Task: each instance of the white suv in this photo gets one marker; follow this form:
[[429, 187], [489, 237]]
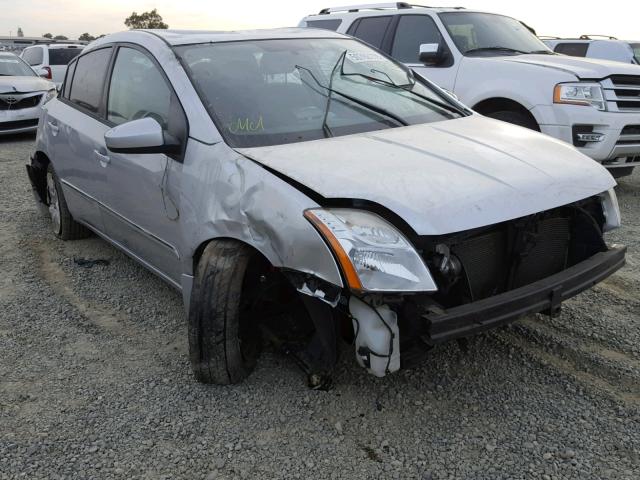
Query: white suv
[[50, 61], [496, 65], [607, 48]]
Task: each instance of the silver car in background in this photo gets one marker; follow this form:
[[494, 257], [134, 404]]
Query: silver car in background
[[300, 186], [22, 94]]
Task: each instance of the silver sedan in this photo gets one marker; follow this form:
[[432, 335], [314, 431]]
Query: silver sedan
[[299, 186]]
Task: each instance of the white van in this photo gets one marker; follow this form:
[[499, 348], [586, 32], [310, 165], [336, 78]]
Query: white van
[[497, 66], [50, 61]]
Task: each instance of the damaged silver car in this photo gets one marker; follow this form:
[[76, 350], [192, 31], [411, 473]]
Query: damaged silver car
[[300, 187]]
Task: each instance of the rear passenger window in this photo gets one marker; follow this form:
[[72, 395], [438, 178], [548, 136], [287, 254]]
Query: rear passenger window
[[88, 79], [413, 31], [572, 49], [33, 56], [66, 86], [372, 30], [326, 24]]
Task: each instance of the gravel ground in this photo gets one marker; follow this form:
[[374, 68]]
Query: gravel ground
[[95, 381]]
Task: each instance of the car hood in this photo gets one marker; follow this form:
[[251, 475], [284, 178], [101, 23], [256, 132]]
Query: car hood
[[443, 177], [583, 68], [24, 84]]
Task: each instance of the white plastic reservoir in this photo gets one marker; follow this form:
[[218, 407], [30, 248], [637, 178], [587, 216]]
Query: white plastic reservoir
[[377, 339]]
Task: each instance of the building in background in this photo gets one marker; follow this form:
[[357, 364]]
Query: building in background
[[17, 44]]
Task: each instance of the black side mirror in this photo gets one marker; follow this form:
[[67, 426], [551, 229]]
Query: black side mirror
[[431, 53]]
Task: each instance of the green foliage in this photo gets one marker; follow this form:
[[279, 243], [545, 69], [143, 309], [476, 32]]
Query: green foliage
[[150, 19]]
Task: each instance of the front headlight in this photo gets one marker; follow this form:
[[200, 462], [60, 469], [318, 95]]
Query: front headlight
[[373, 255], [589, 94], [51, 94]]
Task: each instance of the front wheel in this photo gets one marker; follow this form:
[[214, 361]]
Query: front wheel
[[620, 172], [224, 336], [515, 118]]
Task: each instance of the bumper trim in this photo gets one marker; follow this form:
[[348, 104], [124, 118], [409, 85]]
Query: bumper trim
[[545, 294]]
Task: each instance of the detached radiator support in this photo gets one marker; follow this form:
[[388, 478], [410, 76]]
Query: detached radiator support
[[321, 354]]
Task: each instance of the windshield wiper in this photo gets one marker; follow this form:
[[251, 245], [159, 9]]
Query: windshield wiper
[[544, 52], [325, 126], [362, 103], [494, 49], [406, 88]]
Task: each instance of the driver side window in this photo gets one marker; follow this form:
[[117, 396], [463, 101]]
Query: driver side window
[[137, 90]]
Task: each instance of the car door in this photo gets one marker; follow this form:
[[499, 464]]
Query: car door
[[75, 127], [142, 208], [412, 31]]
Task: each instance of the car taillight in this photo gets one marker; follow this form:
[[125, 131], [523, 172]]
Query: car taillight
[[49, 75]]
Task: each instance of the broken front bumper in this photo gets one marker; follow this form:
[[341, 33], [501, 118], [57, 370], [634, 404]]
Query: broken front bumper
[[540, 296]]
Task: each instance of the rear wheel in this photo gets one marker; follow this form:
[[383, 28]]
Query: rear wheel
[[515, 118], [63, 224], [224, 335]]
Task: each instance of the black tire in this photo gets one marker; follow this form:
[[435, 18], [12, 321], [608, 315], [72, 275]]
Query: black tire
[[621, 172], [224, 336], [64, 226], [516, 118]]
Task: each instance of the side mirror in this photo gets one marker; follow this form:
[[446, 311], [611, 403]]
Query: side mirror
[[144, 135], [431, 53]]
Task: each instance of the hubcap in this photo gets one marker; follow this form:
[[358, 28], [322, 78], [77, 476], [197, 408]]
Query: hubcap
[[54, 203]]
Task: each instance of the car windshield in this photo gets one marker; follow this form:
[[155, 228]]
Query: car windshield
[[488, 33], [11, 66], [270, 92], [636, 51]]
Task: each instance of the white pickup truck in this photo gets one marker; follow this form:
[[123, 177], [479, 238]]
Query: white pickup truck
[[497, 66]]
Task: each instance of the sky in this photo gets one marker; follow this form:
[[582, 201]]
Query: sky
[[568, 18]]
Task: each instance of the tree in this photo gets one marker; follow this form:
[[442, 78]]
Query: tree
[[47, 35], [20, 34], [85, 37], [60, 37], [150, 19]]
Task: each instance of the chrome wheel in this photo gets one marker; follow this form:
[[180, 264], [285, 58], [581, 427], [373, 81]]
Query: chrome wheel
[[54, 202]]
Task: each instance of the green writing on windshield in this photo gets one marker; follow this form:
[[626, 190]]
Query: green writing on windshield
[[246, 125]]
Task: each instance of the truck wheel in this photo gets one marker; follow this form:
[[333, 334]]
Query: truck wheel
[[621, 172], [224, 337], [63, 224], [515, 118]]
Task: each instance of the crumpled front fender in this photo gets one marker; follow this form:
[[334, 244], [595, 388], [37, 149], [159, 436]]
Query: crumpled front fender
[[226, 195]]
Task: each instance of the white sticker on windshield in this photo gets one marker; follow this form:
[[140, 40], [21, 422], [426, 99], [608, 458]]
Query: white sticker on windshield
[[362, 57], [8, 60]]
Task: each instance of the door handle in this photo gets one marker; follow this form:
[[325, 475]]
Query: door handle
[[103, 159], [54, 128]]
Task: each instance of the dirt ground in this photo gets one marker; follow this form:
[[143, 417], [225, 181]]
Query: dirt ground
[[95, 381]]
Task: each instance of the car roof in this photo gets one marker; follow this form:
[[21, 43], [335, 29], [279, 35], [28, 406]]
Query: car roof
[[375, 9], [187, 37], [65, 45]]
